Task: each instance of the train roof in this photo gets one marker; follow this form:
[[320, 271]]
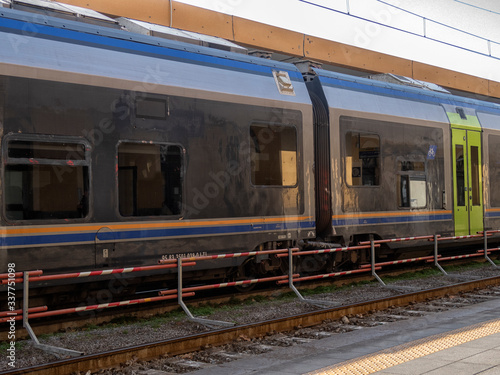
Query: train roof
[[355, 93], [196, 67], [397, 90], [121, 35]]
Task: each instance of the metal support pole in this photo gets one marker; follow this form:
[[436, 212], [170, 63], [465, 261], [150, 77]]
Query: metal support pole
[[372, 256], [206, 322], [485, 238], [290, 276], [485, 234], [436, 263], [317, 303], [58, 352]]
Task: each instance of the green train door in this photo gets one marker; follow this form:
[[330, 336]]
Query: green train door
[[468, 183]]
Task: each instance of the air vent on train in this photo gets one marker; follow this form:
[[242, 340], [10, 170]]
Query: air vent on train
[[407, 81], [60, 10], [165, 32]]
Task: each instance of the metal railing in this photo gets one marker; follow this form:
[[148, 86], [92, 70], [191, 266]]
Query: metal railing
[[435, 258], [27, 313]]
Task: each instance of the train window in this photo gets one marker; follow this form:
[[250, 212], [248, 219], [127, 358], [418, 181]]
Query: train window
[[460, 173], [362, 159], [412, 184], [46, 180], [273, 155], [149, 179], [475, 176], [494, 169], [46, 150]]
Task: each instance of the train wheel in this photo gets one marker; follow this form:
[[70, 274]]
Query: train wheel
[[246, 271]]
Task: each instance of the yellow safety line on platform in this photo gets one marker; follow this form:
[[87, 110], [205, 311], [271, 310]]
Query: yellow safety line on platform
[[400, 354]]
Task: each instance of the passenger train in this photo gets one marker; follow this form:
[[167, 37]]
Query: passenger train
[[120, 149]]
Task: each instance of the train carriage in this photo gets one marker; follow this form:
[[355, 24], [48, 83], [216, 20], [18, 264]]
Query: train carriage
[[121, 149], [404, 161], [489, 119]]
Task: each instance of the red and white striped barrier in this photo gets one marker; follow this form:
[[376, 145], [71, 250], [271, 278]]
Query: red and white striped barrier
[[100, 272], [458, 237], [328, 275], [225, 285], [489, 250], [20, 312], [95, 307], [326, 251], [489, 232], [454, 257], [402, 239], [18, 275], [401, 261], [225, 256]]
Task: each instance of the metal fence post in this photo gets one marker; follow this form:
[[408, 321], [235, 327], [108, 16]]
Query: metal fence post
[[485, 235], [59, 352], [207, 322], [372, 256], [318, 303], [436, 263]]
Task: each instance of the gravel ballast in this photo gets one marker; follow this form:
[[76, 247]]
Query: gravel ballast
[[95, 339]]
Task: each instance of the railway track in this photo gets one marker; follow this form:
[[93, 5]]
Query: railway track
[[248, 332], [217, 297]]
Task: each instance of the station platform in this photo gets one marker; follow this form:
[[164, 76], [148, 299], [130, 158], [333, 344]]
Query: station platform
[[470, 350], [458, 341]]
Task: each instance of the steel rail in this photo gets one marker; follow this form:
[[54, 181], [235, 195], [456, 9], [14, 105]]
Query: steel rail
[[177, 346]]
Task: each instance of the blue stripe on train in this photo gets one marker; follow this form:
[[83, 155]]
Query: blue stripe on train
[[390, 219], [410, 93], [117, 44], [146, 234]]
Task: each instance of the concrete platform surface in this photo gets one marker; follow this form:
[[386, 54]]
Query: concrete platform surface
[[459, 341]]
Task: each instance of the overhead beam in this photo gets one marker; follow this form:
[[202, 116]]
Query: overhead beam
[[335, 53], [266, 37], [494, 89], [452, 79], [203, 21]]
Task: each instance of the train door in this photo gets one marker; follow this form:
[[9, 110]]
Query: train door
[[468, 184]]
